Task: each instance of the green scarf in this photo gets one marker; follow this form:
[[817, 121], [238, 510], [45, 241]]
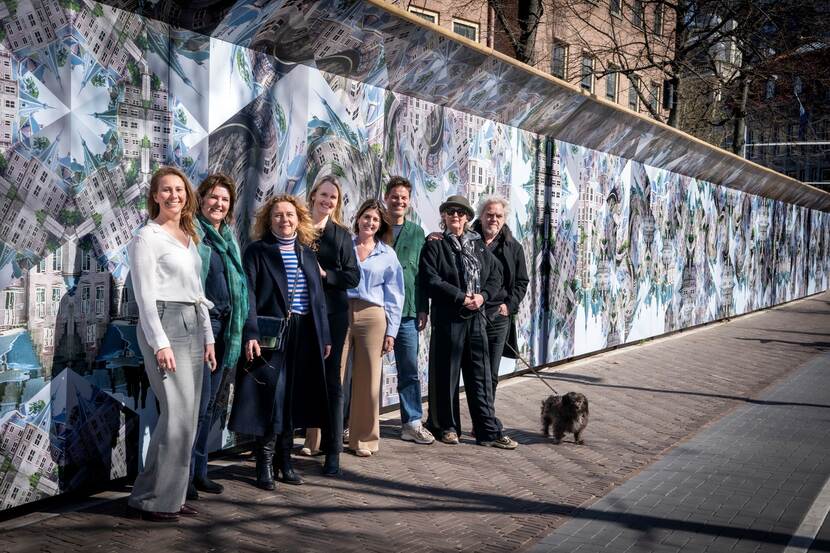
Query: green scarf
[[224, 243]]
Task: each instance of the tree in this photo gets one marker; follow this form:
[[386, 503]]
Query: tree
[[135, 73], [37, 406], [131, 174], [141, 42], [518, 22], [30, 87], [40, 143], [63, 54], [98, 80], [700, 56]]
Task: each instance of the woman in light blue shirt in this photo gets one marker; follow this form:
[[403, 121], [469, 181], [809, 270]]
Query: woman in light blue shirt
[[374, 316]]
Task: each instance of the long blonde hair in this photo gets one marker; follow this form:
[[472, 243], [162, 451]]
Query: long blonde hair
[[305, 229], [337, 214], [188, 210]]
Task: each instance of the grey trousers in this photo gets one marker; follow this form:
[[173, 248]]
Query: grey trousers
[[162, 485]]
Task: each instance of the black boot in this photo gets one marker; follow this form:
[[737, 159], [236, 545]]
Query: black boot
[[264, 463], [284, 468], [331, 467]]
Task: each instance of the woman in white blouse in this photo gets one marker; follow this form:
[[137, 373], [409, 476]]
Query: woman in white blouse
[[375, 306], [176, 340]]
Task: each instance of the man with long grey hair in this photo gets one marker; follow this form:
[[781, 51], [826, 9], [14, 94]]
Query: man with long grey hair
[[501, 313]]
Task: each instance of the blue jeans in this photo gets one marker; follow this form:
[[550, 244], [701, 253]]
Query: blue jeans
[[207, 412], [406, 359]]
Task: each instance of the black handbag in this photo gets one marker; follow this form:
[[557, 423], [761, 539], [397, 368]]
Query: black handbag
[[273, 331]]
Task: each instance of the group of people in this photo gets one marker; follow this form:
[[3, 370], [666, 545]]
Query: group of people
[[301, 320]]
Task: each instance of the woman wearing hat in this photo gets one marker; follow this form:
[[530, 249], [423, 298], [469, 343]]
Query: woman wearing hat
[[459, 275]]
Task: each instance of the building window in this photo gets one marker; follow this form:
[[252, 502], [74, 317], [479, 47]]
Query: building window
[[85, 261], [48, 339], [658, 19], [559, 60], [429, 15], [633, 96], [90, 334], [611, 84], [465, 29], [57, 261], [655, 97], [40, 302], [99, 300], [637, 13], [56, 300], [85, 299], [587, 81]]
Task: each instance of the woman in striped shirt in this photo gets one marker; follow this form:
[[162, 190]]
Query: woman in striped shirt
[[283, 385]]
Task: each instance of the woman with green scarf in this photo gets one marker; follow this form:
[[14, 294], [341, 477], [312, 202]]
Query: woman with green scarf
[[226, 286]]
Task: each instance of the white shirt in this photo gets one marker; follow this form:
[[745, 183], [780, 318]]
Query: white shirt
[[164, 269]]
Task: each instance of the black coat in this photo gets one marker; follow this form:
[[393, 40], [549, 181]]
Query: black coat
[[442, 283], [335, 253], [511, 256], [268, 296]]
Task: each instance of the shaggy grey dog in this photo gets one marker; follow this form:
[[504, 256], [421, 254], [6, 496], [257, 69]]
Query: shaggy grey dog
[[568, 413]]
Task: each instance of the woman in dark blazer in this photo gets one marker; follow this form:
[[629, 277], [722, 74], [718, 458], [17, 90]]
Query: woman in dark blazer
[[339, 271], [459, 275], [283, 385]]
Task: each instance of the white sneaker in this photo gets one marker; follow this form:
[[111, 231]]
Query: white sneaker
[[418, 434]]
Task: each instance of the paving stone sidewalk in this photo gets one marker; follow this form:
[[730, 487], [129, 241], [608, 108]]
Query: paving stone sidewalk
[[742, 485], [644, 401]]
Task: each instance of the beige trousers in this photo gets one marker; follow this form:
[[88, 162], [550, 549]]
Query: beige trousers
[[367, 329]]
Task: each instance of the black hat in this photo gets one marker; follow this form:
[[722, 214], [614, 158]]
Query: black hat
[[458, 201]]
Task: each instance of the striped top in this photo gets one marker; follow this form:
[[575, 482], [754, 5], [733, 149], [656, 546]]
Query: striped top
[[301, 300]]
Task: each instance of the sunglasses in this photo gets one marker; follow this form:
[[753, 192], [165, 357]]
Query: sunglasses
[[455, 211]]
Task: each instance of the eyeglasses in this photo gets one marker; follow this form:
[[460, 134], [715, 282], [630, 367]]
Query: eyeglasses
[[455, 211]]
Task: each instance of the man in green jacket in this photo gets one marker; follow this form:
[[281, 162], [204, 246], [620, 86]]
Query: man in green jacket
[[408, 241]]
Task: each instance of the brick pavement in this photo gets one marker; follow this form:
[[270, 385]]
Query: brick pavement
[[644, 400], [743, 484]]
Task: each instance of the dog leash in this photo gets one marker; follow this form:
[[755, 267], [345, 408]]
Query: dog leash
[[521, 357]]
